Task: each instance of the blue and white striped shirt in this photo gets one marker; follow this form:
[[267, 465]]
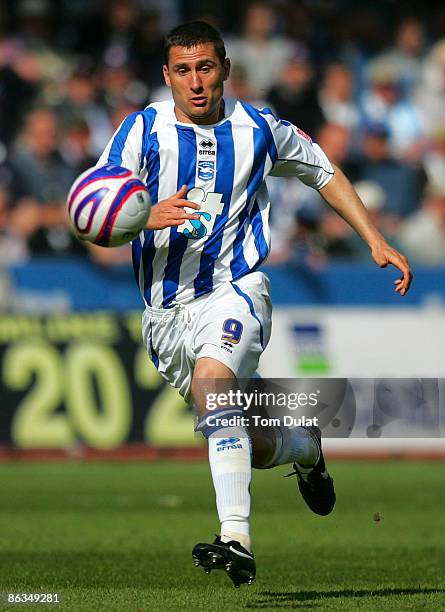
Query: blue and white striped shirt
[[224, 166]]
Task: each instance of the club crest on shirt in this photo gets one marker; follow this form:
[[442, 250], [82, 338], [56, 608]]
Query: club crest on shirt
[[206, 170]]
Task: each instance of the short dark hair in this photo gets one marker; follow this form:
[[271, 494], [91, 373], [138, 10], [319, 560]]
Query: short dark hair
[[192, 34]]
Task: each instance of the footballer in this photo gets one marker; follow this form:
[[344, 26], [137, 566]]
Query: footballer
[[207, 316]]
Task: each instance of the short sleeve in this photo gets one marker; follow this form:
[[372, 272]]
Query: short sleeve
[[297, 154]]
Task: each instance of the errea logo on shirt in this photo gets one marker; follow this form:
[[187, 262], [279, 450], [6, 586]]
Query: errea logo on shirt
[[206, 147], [206, 143]]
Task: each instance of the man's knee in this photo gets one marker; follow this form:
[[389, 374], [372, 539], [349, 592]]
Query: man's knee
[[209, 377]]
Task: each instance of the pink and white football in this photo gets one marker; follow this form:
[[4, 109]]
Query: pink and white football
[[108, 205]]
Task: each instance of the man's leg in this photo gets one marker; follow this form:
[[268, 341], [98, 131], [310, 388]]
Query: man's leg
[[273, 446], [232, 451], [230, 462], [230, 456], [300, 446], [259, 447]]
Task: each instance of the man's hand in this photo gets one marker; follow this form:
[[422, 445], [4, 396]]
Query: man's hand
[[170, 212], [383, 254]]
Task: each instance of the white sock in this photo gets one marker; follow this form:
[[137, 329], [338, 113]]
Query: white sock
[[242, 538], [230, 464], [294, 445]]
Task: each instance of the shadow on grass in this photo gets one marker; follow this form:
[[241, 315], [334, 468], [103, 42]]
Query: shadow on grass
[[270, 599]]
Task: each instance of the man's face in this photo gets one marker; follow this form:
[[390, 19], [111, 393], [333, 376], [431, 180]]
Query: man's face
[[196, 77]]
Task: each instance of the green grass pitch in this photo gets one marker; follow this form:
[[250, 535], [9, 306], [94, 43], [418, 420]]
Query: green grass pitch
[[118, 536]]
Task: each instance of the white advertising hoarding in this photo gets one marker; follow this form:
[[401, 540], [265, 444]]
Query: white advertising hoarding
[[360, 343]]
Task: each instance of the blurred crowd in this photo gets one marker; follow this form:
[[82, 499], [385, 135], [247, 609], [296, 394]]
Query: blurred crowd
[[370, 90]]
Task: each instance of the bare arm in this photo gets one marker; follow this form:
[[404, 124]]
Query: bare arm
[[341, 197]]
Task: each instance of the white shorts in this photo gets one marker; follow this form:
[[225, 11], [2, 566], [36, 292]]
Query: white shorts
[[232, 324]]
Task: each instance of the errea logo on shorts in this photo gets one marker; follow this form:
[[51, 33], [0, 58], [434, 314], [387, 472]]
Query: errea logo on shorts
[[227, 444]]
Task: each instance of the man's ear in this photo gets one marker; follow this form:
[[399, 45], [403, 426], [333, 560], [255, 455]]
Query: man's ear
[[226, 66], [166, 74]]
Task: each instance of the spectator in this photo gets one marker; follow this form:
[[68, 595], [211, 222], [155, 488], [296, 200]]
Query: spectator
[[401, 182], [406, 54], [431, 93], [336, 96], [340, 241], [336, 237], [53, 236], [39, 170], [20, 79], [434, 158], [238, 87], [335, 140], [119, 114], [121, 21], [383, 102], [294, 96], [261, 52], [13, 247], [306, 244], [76, 146], [119, 85], [41, 181], [422, 235], [148, 50], [35, 33], [80, 101]]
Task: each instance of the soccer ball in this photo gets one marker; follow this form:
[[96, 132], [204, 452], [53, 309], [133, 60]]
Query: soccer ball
[[108, 205]]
